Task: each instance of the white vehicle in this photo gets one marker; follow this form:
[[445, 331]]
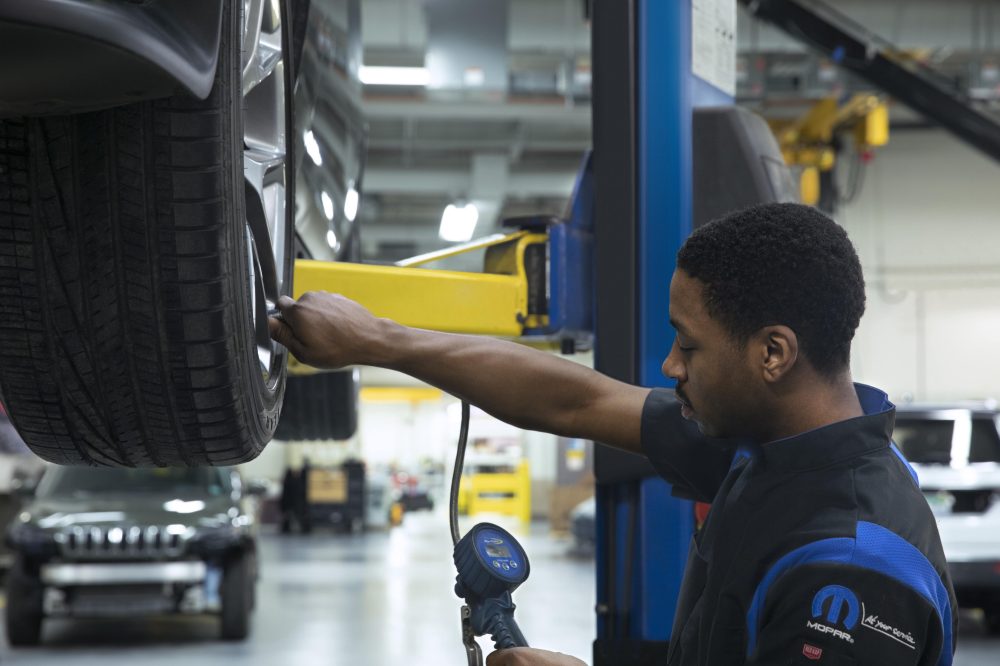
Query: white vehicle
[[955, 450]]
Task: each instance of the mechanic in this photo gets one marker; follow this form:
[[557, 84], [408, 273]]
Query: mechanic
[[819, 546]]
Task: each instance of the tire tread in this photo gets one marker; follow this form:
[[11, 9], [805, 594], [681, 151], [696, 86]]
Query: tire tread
[[124, 338]]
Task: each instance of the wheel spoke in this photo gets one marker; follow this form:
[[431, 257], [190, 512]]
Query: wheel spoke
[[262, 41], [264, 60], [259, 305], [265, 347], [265, 174], [264, 166], [267, 272]]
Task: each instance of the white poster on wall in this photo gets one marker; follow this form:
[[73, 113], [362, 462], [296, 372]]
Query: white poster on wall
[[713, 43]]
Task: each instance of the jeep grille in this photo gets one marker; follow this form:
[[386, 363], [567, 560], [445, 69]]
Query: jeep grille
[[112, 543]]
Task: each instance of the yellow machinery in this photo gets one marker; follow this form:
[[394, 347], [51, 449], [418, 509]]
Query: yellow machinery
[[809, 141], [495, 302], [505, 493]]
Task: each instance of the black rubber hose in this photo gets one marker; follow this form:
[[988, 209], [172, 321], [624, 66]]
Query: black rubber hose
[[456, 475]]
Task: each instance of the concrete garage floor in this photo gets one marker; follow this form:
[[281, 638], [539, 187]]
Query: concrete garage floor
[[379, 598]]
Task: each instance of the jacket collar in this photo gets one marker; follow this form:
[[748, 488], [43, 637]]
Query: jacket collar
[[838, 441]]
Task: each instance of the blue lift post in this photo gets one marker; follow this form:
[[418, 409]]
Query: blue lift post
[[644, 95]]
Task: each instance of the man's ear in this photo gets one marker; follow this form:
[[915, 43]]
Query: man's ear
[[777, 350]]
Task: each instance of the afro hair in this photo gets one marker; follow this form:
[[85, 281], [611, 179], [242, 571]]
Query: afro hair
[[781, 263]]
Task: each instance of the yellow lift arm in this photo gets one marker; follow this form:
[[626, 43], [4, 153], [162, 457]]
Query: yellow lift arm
[[495, 302]]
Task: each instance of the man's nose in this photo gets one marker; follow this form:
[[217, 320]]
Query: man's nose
[[672, 367]]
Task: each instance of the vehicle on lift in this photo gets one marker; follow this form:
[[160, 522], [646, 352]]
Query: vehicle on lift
[[955, 450], [146, 225], [97, 542]]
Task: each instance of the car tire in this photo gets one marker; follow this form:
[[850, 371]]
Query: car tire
[[237, 598], [254, 568], [140, 249], [24, 612]]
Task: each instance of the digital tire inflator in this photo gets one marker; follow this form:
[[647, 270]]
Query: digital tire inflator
[[491, 564]]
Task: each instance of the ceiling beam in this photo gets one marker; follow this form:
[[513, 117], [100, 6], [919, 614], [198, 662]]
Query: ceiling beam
[[458, 182]]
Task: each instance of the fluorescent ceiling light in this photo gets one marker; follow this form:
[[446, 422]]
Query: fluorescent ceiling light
[[458, 223], [331, 239], [394, 76], [312, 148], [351, 203], [327, 205]]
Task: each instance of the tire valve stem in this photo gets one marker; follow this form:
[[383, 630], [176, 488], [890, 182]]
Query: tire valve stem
[[275, 313]]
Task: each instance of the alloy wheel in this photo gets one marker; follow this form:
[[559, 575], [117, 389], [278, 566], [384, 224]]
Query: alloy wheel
[[265, 167]]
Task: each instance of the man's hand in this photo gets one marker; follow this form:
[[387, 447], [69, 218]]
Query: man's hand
[[531, 657], [327, 330]]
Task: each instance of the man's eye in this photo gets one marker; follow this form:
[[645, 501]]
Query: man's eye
[[683, 348]]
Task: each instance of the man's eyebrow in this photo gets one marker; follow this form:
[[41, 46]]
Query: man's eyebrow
[[678, 326]]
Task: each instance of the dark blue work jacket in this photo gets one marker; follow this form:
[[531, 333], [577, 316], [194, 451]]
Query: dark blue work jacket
[[818, 549]]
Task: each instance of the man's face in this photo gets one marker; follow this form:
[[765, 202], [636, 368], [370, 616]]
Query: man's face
[[715, 383]]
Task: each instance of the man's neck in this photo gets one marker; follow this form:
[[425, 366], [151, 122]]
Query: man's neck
[[818, 402]]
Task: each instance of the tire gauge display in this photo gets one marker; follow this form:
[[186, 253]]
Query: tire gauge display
[[490, 562]]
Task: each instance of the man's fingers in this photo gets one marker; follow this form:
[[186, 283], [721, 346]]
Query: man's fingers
[[523, 656], [509, 657], [285, 304], [495, 658], [282, 333]]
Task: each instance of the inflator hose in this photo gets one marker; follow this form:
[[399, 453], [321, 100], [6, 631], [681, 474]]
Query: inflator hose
[[456, 475]]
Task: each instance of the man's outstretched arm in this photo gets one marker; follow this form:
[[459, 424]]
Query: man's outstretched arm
[[522, 386]]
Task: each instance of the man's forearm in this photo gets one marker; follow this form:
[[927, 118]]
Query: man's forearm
[[517, 384], [522, 386]]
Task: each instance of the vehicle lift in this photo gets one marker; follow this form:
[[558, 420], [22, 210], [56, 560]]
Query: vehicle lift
[[600, 277]]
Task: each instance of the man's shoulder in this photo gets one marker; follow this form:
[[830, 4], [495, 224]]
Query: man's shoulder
[[889, 495], [868, 512]]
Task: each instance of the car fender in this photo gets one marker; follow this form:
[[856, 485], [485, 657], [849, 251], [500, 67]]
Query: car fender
[[77, 55]]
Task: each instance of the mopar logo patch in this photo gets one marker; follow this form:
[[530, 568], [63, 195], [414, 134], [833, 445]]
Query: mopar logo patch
[[840, 604], [832, 606]]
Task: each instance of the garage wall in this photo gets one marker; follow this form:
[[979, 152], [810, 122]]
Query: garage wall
[[927, 228]]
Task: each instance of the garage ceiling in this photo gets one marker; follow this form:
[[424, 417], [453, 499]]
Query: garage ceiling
[[511, 136]]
